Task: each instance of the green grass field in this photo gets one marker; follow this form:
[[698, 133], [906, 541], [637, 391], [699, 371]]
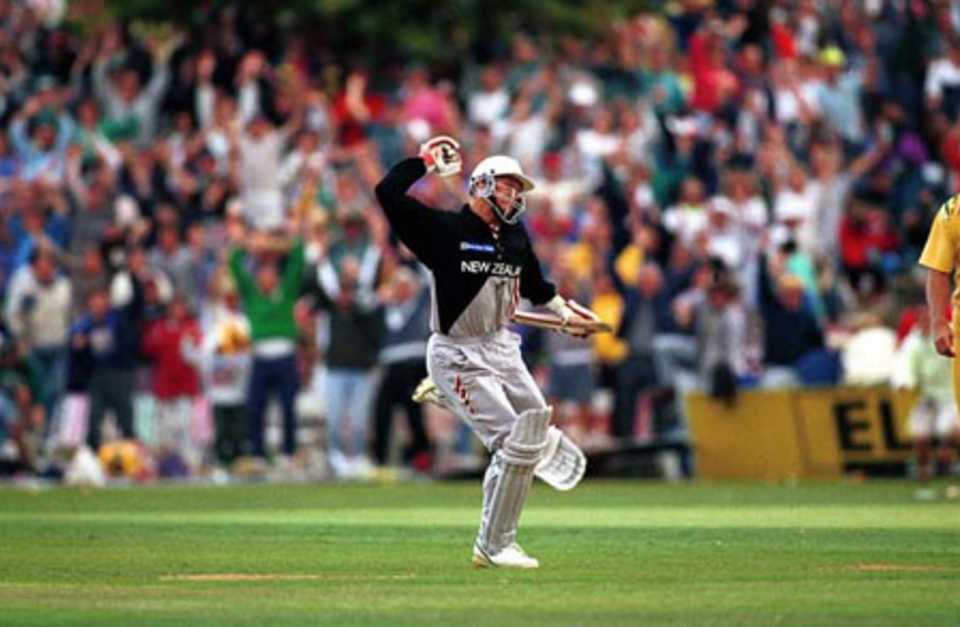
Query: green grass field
[[611, 553]]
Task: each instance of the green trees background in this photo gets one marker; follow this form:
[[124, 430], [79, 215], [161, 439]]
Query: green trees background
[[425, 30]]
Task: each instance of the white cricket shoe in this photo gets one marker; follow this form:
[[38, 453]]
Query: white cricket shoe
[[428, 392], [511, 556]]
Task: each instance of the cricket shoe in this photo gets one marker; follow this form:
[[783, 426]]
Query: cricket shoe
[[511, 556], [428, 392]]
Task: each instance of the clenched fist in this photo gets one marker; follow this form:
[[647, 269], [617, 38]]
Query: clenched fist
[[441, 154], [943, 338]]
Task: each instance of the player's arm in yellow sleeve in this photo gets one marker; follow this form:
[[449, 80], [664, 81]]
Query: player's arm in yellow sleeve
[[939, 258]]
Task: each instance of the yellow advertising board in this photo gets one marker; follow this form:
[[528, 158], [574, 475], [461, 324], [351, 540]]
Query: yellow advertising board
[[804, 432]]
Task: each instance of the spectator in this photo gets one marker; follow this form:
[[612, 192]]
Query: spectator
[[723, 340], [839, 98], [268, 297], [644, 305], [38, 316], [131, 109], [40, 137], [21, 425], [489, 105], [261, 148], [688, 218], [403, 359], [355, 108], [572, 377], [934, 415], [356, 334], [661, 84], [109, 335], [255, 93], [175, 382], [791, 331], [942, 84], [867, 244], [172, 258], [223, 359]]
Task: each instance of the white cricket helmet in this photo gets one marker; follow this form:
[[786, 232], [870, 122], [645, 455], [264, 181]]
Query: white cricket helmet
[[483, 181]]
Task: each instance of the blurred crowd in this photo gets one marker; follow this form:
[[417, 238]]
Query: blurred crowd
[[189, 235]]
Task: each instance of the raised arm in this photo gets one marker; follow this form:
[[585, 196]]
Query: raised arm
[[412, 221], [240, 274], [618, 207], [293, 272], [766, 291], [18, 129]]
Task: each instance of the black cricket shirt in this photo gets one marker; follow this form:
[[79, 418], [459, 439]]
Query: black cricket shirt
[[477, 276]]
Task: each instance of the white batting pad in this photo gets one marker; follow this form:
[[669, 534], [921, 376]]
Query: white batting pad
[[508, 478], [563, 463]]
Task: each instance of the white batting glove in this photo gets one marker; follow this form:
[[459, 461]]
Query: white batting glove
[[441, 154], [559, 306]]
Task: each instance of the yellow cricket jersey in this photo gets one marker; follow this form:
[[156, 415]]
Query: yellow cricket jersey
[[941, 251]]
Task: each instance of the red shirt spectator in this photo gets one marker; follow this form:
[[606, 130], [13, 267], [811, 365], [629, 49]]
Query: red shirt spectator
[[713, 82], [783, 41], [863, 234], [173, 376], [354, 108], [950, 152], [422, 101]]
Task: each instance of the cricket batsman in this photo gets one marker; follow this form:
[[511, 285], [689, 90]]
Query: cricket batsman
[[481, 263]]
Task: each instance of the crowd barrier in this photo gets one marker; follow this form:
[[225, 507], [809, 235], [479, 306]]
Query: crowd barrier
[[801, 433]]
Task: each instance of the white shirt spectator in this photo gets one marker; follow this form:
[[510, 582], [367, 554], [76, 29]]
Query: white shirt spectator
[[685, 221], [820, 235], [36, 312], [143, 107], [788, 103], [248, 101], [642, 141], [795, 204], [594, 145], [260, 179], [527, 139], [563, 194], [225, 368], [727, 234], [920, 367], [941, 73], [487, 107], [204, 100], [752, 213]]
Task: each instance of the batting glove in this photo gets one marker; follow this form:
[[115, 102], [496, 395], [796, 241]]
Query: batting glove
[[441, 154]]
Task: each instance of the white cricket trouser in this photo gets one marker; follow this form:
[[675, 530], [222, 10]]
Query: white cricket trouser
[[486, 380], [488, 385]]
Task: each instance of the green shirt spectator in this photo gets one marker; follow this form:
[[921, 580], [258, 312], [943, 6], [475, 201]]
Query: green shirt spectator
[[271, 311]]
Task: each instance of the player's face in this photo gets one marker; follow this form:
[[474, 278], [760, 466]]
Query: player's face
[[506, 193]]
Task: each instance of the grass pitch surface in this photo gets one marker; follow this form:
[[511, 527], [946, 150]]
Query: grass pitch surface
[[611, 553]]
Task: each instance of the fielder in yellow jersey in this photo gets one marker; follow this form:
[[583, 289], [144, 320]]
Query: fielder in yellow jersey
[[941, 256]]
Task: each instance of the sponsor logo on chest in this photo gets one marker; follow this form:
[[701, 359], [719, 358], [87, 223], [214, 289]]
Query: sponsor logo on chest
[[481, 248], [490, 268]]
